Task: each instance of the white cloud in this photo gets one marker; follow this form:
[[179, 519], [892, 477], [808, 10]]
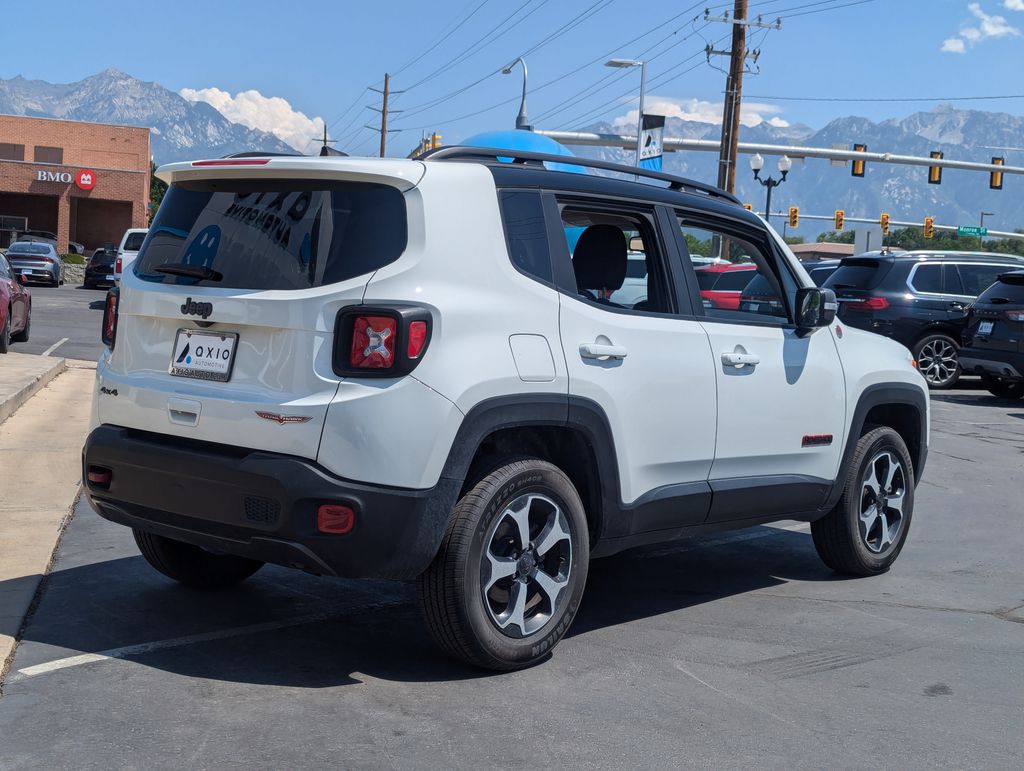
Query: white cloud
[[267, 113], [700, 111], [988, 26]]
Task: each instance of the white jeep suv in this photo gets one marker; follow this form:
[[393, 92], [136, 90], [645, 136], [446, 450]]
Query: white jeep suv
[[398, 368]]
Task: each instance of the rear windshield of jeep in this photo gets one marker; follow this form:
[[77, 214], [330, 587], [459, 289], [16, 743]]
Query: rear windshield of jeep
[[272, 234]]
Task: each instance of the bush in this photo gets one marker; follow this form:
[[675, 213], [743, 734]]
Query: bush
[[73, 259]]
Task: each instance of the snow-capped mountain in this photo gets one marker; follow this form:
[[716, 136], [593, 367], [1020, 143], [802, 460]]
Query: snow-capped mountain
[[182, 130]]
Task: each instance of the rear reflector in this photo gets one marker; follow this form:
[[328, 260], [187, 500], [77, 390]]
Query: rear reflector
[[233, 162], [97, 475], [373, 342], [417, 338], [335, 519]]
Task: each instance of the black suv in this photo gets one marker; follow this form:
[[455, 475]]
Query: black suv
[[994, 343], [919, 299]]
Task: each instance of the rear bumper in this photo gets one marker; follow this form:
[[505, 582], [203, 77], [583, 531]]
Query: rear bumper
[[980, 361], [263, 505]]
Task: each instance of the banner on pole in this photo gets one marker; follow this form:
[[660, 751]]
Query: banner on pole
[[651, 136]]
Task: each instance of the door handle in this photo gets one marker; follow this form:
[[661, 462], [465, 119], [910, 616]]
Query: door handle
[[601, 351], [957, 306], [733, 359]]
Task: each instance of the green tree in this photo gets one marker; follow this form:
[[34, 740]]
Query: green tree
[[791, 240], [157, 188], [835, 237]]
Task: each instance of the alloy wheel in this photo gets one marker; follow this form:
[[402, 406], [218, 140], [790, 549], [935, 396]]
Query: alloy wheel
[[938, 361], [883, 492], [526, 565]]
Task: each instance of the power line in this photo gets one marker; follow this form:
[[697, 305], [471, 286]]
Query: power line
[[444, 37]]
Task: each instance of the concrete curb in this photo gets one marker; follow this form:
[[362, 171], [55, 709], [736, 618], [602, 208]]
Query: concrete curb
[[9, 402]]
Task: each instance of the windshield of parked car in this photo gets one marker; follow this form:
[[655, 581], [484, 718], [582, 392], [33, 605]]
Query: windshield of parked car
[[28, 248], [272, 234]]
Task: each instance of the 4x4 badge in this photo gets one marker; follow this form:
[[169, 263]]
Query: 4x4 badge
[[282, 419]]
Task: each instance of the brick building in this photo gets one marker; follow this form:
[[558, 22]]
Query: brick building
[[84, 182]]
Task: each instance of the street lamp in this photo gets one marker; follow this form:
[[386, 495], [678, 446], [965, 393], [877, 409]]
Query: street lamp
[[522, 122], [756, 164], [623, 64]]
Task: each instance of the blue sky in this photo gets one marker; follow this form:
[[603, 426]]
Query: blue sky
[[319, 58]]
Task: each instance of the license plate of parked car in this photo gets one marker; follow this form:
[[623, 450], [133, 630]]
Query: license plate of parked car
[[985, 328], [203, 355]]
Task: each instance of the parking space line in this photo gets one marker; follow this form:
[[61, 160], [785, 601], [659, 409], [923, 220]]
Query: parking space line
[[178, 642], [55, 346]]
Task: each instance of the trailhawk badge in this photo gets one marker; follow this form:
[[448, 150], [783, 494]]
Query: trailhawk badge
[[282, 419]]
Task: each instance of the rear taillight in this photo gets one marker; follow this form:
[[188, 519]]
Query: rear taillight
[[117, 265], [380, 342], [109, 331], [867, 303], [1015, 315], [335, 519]]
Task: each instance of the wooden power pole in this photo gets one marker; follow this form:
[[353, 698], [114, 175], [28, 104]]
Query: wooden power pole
[[733, 100], [384, 116]]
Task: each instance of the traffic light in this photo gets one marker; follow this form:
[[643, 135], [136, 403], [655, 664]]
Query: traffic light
[[857, 167], [884, 222], [929, 227], [748, 207], [995, 178], [935, 172], [794, 216], [840, 216]]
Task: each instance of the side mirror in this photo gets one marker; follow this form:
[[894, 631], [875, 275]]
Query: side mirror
[[815, 308]]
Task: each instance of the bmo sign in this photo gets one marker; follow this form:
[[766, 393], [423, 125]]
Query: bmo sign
[[84, 178]]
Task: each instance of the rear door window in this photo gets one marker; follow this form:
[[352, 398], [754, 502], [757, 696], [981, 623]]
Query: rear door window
[[273, 234]]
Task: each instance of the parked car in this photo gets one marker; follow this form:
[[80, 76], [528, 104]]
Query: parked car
[[128, 250], [919, 299], [721, 283], [100, 268], [35, 261], [994, 342], [46, 237], [401, 369], [15, 308], [820, 270]]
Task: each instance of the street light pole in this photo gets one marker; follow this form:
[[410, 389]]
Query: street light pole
[[769, 183], [624, 63], [981, 238], [522, 122]]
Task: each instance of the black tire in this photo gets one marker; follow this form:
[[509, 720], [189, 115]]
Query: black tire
[[1004, 389], [191, 565], [839, 537], [5, 333], [939, 372], [22, 336], [460, 617]]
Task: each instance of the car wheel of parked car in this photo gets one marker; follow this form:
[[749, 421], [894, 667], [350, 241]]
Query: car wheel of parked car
[[864, 533], [191, 565], [1004, 389], [5, 333], [22, 336], [508, 578], [938, 358]]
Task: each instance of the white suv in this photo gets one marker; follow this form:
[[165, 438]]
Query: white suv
[[397, 368]]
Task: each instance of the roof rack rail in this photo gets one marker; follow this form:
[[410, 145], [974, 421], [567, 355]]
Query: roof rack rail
[[457, 152]]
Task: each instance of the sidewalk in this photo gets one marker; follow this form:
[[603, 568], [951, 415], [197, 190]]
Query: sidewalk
[[22, 375], [40, 465]]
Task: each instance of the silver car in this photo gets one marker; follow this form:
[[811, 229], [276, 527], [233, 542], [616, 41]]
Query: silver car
[[35, 262]]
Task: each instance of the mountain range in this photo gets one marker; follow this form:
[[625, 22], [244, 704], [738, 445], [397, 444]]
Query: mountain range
[[184, 130]]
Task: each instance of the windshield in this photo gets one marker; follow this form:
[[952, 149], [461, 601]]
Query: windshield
[[273, 234], [134, 241], [28, 248]]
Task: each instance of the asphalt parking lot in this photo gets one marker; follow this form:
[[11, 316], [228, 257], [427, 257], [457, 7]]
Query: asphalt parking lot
[[730, 651], [65, 322]]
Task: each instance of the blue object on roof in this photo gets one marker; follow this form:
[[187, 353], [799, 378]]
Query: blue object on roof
[[525, 141]]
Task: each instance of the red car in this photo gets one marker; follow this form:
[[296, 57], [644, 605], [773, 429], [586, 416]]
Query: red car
[[15, 308], [722, 284]]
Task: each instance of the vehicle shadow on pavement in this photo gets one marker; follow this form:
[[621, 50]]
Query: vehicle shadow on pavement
[[289, 629]]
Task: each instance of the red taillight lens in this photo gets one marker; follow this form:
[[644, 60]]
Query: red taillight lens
[[417, 339], [373, 342], [117, 265], [98, 475], [335, 519], [868, 304], [109, 331], [1015, 315]]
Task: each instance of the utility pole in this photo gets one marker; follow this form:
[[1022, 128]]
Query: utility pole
[[384, 111], [738, 55]]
